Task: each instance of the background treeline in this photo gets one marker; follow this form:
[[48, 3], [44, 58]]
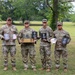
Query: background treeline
[[53, 10]]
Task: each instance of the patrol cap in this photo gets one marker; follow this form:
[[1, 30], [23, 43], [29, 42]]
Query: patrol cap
[[59, 23], [9, 19], [44, 20], [26, 22]]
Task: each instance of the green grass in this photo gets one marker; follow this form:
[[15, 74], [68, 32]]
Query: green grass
[[68, 26]]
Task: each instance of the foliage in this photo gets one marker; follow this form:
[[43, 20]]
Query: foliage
[[23, 9], [58, 11], [35, 10], [6, 9]]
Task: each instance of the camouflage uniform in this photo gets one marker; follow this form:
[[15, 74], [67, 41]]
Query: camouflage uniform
[[59, 48], [27, 48], [8, 45], [45, 47]]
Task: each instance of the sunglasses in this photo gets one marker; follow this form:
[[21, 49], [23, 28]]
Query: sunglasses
[[26, 23], [44, 22], [9, 20], [59, 25]]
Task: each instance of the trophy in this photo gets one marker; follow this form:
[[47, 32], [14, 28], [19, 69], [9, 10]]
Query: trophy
[[34, 35], [64, 40], [43, 36], [14, 36], [6, 36]]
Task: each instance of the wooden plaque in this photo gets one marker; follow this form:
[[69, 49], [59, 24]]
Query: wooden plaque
[[27, 41]]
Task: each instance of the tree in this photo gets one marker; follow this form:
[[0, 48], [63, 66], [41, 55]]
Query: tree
[[26, 9], [58, 8], [6, 9], [53, 10]]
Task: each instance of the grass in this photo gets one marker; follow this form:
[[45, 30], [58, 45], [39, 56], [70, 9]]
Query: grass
[[68, 26]]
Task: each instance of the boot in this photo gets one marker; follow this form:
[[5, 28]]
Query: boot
[[42, 69], [5, 68], [65, 69], [34, 69], [57, 68], [48, 70], [25, 69], [14, 68]]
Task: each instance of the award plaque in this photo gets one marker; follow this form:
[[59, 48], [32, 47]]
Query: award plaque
[[53, 40], [26, 40], [34, 35], [43, 36], [6, 36], [29, 38], [14, 36], [64, 40]]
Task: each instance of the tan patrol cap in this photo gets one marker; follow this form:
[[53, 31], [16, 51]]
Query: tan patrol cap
[[44, 20], [59, 23], [26, 21], [9, 19]]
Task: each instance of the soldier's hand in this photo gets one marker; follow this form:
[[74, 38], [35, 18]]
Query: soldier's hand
[[2, 39], [38, 38], [19, 42], [45, 40], [34, 41]]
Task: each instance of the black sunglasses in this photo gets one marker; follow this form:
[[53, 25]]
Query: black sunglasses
[[9, 20], [59, 25], [27, 23], [44, 22]]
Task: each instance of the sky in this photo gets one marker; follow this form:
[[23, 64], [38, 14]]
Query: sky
[[73, 5]]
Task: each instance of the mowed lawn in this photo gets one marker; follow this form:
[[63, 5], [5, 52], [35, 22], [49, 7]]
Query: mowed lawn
[[68, 26]]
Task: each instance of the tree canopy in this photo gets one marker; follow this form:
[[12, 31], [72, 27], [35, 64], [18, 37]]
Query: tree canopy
[[53, 10]]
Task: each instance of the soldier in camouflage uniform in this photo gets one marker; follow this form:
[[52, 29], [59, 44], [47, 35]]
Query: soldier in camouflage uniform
[[60, 49], [45, 46], [27, 48], [8, 33]]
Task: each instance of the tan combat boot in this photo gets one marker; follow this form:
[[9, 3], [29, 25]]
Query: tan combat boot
[[5, 68], [57, 68], [14, 68], [34, 69], [65, 69], [48, 70], [42, 69], [25, 69]]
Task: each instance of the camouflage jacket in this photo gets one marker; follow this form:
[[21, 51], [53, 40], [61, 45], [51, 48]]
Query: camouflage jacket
[[49, 33], [25, 34], [5, 29], [59, 34]]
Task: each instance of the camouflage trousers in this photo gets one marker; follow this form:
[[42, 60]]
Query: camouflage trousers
[[58, 54], [45, 53], [9, 49], [28, 50]]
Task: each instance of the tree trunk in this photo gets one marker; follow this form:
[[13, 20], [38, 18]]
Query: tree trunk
[[55, 14]]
